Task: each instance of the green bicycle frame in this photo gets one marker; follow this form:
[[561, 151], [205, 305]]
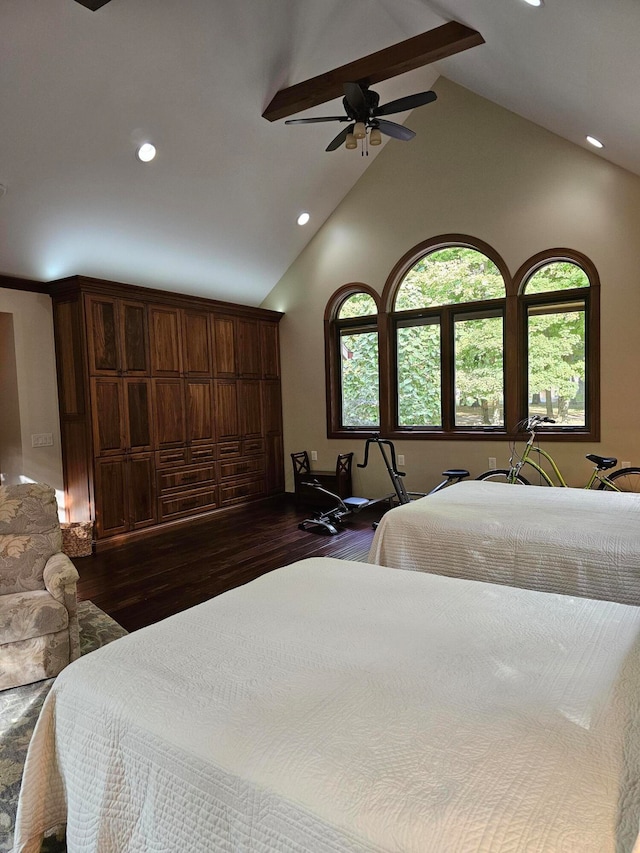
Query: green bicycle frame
[[525, 459]]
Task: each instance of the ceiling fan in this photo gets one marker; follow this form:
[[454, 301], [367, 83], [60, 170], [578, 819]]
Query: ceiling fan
[[361, 105]]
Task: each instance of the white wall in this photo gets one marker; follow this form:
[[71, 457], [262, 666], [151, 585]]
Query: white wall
[[35, 370], [475, 169]]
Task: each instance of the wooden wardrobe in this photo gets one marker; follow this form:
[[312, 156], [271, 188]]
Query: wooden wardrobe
[[170, 405]]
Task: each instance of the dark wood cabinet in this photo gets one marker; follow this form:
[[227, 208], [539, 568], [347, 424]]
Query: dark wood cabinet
[[169, 405]]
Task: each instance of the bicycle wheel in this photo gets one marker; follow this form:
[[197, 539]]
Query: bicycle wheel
[[501, 475], [625, 479]]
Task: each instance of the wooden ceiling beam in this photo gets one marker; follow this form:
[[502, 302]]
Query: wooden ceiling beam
[[415, 52]]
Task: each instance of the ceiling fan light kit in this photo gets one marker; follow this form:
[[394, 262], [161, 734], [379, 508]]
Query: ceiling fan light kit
[[94, 5]]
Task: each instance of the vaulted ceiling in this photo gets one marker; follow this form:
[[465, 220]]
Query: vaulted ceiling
[[215, 213]]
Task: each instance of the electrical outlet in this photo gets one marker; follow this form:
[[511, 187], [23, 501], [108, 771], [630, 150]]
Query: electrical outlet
[[400, 459], [314, 455], [492, 463], [625, 464], [44, 439]]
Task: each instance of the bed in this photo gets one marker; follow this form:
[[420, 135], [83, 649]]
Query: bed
[[339, 706], [570, 541]]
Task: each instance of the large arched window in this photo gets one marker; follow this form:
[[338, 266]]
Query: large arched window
[[457, 347], [447, 323]]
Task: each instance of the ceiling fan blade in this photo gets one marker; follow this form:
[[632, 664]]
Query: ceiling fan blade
[[94, 5], [398, 131], [403, 104], [314, 120], [434, 45], [355, 98], [339, 139]]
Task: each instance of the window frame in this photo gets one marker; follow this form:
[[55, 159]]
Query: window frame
[[514, 308]]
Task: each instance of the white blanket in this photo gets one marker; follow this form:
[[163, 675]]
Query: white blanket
[[338, 706], [570, 541]]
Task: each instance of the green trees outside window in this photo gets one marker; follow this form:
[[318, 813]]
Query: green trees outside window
[[455, 346]]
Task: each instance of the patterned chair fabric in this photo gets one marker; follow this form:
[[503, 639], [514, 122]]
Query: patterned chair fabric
[[38, 607]]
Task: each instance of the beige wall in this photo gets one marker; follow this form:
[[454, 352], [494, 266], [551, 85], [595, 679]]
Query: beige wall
[[37, 401], [475, 169]]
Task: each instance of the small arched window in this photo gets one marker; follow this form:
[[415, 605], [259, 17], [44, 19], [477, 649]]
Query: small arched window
[[354, 359], [555, 298]]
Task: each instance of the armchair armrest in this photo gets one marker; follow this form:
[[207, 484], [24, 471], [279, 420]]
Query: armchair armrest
[[59, 572]]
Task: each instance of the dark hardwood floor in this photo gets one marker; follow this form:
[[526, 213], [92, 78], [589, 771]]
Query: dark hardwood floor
[[159, 575]]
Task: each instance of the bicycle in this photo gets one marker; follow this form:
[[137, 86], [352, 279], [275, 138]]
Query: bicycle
[[621, 480]]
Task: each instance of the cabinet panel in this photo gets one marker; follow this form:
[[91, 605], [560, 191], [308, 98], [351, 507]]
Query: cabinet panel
[[169, 413], [137, 399], [141, 493], [68, 335], [250, 407], [199, 409], [224, 346], [197, 343], [269, 350], [231, 469], [173, 506], [165, 341], [106, 395], [111, 497], [175, 479], [274, 468], [102, 334], [271, 406], [134, 338], [236, 492], [248, 348], [226, 410]]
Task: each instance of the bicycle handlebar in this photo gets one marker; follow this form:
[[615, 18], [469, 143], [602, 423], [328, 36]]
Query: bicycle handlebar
[[534, 421]]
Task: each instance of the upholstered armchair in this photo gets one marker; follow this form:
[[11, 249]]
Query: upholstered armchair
[[38, 610]]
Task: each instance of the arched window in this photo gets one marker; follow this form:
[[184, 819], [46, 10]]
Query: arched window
[[556, 300], [354, 393], [448, 323]]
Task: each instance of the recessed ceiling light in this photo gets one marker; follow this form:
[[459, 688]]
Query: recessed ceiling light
[[303, 218], [595, 142], [146, 152], [535, 2]]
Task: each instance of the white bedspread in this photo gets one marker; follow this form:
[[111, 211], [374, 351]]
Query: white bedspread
[[338, 706], [570, 541]]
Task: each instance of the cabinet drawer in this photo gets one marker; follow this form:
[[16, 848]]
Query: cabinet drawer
[[241, 467], [181, 478], [239, 491], [174, 505], [175, 456], [252, 445], [202, 453], [227, 449]]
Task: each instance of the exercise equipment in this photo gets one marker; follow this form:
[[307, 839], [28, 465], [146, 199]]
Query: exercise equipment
[[331, 519]]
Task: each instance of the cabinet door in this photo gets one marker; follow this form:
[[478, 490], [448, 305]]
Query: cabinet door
[[111, 497], [269, 350], [168, 406], [199, 409], [141, 490], [165, 335], [226, 416], [134, 338], [107, 416], [248, 340], [103, 335], [197, 343], [250, 408], [137, 420], [224, 346]]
